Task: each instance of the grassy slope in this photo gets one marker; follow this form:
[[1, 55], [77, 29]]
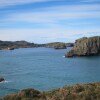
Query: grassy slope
[[90, 91]]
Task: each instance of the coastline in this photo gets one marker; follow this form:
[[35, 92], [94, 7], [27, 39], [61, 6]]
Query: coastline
[[11, 45]]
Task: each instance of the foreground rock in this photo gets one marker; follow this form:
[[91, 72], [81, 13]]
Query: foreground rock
[[1, 79], [85, 47], [89, 91]]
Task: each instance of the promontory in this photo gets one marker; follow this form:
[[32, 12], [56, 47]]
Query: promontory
[[85, 47]]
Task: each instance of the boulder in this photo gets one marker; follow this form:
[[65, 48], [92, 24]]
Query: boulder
[[1, 79]]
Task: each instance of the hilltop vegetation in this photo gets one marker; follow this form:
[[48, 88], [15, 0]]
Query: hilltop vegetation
[[89, 91]]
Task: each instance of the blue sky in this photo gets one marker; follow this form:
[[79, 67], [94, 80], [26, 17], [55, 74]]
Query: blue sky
[[43, 21]]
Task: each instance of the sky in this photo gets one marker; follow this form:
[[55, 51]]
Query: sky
[[44, 21]]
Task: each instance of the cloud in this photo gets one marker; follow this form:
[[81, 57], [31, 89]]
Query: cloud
[[90, 1], [46, 35], [61, 23], [52, 15], [4, 3]]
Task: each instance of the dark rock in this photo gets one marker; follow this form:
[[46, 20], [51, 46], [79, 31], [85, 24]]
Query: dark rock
[[1, 79], [85, 47]]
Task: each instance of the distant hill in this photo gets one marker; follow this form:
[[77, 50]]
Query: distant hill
[[9, 45]]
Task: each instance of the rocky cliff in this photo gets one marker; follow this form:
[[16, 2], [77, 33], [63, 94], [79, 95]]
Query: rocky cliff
[[85, 47]]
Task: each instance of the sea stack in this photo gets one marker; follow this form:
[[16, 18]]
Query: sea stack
[[85, 47]]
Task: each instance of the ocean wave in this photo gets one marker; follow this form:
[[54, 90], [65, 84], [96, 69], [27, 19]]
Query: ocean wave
[[4, 82], [63, 56]]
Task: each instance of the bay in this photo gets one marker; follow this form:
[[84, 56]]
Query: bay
[[45, 69]]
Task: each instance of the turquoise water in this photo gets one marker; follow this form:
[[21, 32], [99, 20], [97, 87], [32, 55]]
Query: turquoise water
[[45, 69]]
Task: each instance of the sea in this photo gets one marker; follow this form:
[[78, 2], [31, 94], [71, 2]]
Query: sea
[[44, 69]]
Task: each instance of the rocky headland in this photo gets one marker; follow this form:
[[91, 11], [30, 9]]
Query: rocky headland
[[90, 91], [85, 47]]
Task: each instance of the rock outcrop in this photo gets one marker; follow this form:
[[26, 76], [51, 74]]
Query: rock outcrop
[[90, 91], [1, 79], [85, 47]]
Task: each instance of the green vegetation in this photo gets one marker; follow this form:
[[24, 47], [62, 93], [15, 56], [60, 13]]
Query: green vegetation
[[90, 91]]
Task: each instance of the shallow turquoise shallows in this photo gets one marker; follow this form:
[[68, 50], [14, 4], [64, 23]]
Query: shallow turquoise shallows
[[45, 69]]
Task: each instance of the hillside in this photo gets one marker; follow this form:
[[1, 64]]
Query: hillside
[[90, 91]]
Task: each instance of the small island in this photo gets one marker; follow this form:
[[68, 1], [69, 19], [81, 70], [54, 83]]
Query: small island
[[85, 47], [56, 45]]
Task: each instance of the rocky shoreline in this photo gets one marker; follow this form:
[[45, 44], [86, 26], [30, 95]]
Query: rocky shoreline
[[85, 47], [90, 91]]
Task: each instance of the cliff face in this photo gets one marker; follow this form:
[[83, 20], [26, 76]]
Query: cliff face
[[85, 47], [89, 91]]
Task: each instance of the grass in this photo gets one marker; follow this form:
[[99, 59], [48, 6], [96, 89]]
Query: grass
[[90, 91]]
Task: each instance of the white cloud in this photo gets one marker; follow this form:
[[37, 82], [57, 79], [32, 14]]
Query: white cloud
[[4, 3], [54, 14], [46, 35], [89, 0], [51, 16]]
